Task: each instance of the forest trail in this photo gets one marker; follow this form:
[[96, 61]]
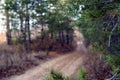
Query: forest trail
[[68, 64]]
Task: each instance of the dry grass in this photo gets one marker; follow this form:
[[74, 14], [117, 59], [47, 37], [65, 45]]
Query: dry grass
[[9, 55], [96, 67], [13, 60], [2, 38]]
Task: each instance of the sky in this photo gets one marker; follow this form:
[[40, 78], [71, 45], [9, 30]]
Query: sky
[[2, 22]]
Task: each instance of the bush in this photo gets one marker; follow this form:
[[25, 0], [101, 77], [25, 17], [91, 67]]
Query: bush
[[54, 75], [114, 61], [48, 44], [96, 67], [13, 61], [81, 74]]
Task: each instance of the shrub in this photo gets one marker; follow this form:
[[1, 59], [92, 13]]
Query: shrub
[[14, 62], [55, 75], [96, 67], [81, 74], [114, 61], [51, 44]]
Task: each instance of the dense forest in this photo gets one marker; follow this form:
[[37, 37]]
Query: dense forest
[[98, 20], [49, 25]]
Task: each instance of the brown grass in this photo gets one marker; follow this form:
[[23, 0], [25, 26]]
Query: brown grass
[[2, 38], [96, 67], [13, 60]]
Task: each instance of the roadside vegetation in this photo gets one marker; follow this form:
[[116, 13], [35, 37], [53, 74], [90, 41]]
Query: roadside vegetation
[[16, 62]]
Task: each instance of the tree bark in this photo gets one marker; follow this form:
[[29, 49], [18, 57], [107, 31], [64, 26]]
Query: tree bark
[[22, 37], [8, 33], [27, 29]]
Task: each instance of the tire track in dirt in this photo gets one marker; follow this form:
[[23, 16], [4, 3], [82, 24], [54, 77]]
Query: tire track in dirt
[[73, 65], [67, 64]]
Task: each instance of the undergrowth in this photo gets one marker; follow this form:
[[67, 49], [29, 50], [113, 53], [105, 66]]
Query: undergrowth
[[114, 61], [56, 75]]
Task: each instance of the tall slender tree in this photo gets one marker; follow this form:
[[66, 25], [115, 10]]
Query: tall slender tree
[[27, 26], [8, 33]]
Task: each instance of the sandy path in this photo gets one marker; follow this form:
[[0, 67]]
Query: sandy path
[[67, 64]]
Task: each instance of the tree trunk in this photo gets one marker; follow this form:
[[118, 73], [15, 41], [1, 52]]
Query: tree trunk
[[42, 30], [47, 52], [59, 39], [62, 38], [27, 29], [67, 36], [22, 37], [8, 33]]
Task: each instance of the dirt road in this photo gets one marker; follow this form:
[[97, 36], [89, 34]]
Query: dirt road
[[67, 64]]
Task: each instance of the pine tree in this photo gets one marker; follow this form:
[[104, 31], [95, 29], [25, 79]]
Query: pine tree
[[98, 23]]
